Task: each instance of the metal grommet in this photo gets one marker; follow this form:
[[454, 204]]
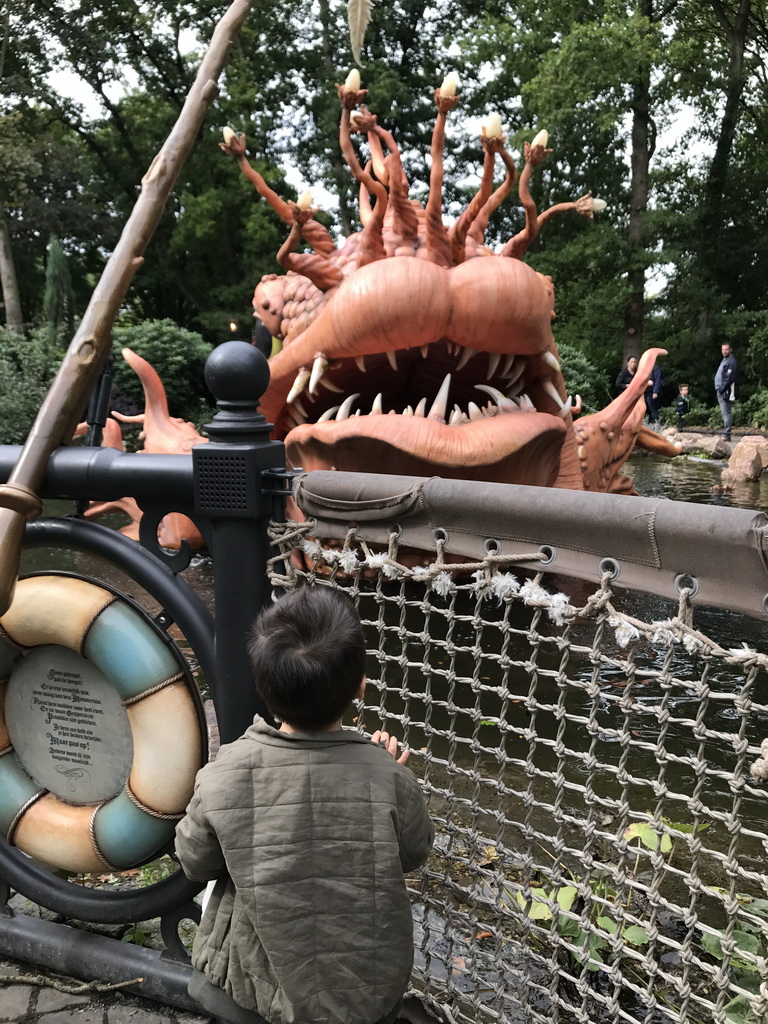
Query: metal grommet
[[492, 547], [547, 554], [610, 566], [440, 535], [684, 581], [397, 529]]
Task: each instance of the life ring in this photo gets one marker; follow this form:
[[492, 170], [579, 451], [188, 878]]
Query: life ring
[[100, 738]]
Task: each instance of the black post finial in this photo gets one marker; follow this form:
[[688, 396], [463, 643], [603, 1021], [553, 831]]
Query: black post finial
[[238, 375]]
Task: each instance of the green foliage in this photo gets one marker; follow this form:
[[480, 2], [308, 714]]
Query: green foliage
[[588, 943], [748, 944], [583, 378], [59, 299], [27, 366], [178, 356]]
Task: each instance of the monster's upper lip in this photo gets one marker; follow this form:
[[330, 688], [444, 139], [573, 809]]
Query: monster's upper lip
[[475, 392]]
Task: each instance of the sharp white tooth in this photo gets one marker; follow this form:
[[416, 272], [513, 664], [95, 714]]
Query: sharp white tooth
[[566, 408], [494, 359], [516, 388], [465, 357], [331, 386], [360, 363], [551, 390], [577, 404], [328, 414], [392, 359], [319, 367], [455, 417], [408, 410], [526, 403], [297, 405], [437, 412], [359, 412], [551, 360], [504, 403], [508, 364], [475, 412], [377, 406], [516, 372], [421, 408], [346, 407], [299, 384], [424, 351]]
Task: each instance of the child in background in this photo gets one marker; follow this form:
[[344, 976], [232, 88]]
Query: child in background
[[681, 405], [308, 829]]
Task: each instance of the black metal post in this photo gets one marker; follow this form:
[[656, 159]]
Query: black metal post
[[233, 506]]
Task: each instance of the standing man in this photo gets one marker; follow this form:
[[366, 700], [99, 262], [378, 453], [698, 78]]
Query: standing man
[[652, 397], [727, 387]]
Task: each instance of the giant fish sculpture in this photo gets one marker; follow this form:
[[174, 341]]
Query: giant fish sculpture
[[414, 348]]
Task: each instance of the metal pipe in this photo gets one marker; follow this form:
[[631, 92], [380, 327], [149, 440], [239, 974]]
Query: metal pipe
[[103, 474], [92, 957]]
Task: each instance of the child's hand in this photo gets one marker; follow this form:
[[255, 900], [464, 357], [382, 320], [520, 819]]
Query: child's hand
[[390, 745]]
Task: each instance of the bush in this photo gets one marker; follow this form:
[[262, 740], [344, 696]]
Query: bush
[[582, 378], [179, 358], [27, 367]]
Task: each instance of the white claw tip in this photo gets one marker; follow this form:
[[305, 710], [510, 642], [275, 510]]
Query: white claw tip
[[493, 128], [450, 85], [541, 139], [304, 202], [353, 80], [598, 204], [229, 134]]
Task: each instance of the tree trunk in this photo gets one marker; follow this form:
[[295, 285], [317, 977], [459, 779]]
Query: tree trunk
[[642, 149], [717, 178], [14, 321]]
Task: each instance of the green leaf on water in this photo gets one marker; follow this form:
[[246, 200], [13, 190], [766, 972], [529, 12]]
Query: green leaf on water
[[678, 826], [711, 944], [740, 1011], [758, 907], [636, 935], [643, 831], [538, 910], [570, 929], [608, 924], [566, 896]]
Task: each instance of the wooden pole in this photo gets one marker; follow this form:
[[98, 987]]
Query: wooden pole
[[81, 365]]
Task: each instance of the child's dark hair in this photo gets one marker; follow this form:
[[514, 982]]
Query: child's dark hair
[[308, 656]]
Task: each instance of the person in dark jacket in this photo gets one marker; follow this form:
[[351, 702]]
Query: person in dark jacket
[[682, 405], [308, 830], [653, 397], [727, 387], [625, 376]]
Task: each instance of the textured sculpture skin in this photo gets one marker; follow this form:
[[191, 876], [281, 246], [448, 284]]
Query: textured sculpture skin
[[162, 434], [372, 330], [423, 318]]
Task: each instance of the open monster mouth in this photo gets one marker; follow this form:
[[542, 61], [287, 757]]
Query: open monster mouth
[[390, 400]]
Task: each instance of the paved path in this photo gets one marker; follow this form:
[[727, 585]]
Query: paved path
[[27, 1004]]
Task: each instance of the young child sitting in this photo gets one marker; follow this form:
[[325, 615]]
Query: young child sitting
[[308, 829]]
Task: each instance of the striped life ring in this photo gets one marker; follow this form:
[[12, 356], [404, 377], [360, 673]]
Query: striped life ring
[[100, 738]]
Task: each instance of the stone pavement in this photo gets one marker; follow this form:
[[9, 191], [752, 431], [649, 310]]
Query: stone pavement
[[27, 1004]]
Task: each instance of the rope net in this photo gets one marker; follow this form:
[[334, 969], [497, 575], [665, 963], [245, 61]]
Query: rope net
[[587, 756]]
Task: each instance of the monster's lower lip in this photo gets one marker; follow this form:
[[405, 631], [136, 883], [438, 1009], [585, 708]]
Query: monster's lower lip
[[486, 449], [438, 409]]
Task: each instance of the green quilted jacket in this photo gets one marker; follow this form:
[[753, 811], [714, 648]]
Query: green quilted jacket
[[309, 835]]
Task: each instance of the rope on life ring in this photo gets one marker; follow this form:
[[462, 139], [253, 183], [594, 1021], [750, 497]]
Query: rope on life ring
[[78, 625]]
